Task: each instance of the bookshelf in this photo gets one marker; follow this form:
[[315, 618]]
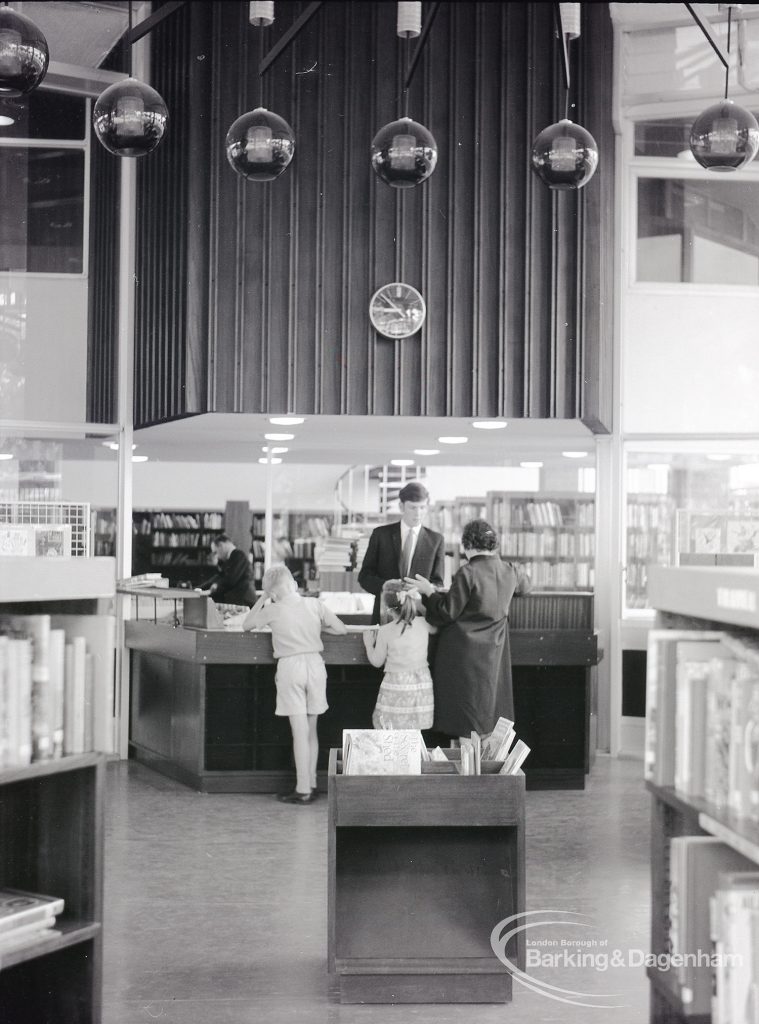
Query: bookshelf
[[449, 846], [51, 821], [693, 598], [550, 536], [649, 539], [176, 543]]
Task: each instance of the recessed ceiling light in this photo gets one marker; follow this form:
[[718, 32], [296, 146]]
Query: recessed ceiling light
[[426, 451], [718, 456], [575, 455], [275, 450], [270, 461], [490, 424], [401, 462], [287, 421], [657, 465], [114, 445], [279, 437], [453, 440], [4, 456], [139, 458], [531, 465]]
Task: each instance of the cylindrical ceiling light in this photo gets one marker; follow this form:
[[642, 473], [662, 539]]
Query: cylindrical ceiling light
[[130, 118], [260, 145], [409, 24], [404, 153], [24, 55], [570, 20], [261, 13], [565, 156], [725, 137]]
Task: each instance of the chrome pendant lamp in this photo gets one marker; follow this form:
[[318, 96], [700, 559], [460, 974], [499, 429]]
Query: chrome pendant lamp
[[725, 137], [130, 118], [260, 145], [565, 155], [404, 153], [24, 54]]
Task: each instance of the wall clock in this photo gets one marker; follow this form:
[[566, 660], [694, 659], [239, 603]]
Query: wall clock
[[397, 310]]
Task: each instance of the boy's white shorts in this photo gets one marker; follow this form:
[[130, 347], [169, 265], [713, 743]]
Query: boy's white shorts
[[301, 685]]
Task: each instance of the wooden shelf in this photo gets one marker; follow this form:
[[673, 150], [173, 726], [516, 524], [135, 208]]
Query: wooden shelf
[[40, 769], [71, 934]]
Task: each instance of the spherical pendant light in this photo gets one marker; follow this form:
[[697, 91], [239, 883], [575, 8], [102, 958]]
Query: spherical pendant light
[[24, 55], [565, 155], [260, 145], [725, 137], [404, 153], [130, 118]]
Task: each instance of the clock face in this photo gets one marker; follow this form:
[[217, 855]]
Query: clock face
[[397, 310]]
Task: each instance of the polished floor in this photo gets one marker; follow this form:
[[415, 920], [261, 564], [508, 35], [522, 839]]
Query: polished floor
[[216, 908]]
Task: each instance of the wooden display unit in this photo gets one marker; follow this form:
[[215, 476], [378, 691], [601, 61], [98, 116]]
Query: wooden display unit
[[421, 869], [51, 826], [699, 599]]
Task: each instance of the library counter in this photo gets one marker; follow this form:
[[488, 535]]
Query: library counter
[[202, 704]]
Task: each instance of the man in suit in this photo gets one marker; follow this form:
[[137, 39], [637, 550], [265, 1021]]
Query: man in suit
[[233, 580], [403, 549]]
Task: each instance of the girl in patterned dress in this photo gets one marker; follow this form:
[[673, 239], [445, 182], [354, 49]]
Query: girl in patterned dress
[[405, 699]]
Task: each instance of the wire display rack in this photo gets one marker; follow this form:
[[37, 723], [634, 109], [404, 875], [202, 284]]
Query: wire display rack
[[52, 513]]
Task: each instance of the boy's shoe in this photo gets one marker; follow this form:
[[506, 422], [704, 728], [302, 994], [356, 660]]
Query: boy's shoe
[[296, 798]]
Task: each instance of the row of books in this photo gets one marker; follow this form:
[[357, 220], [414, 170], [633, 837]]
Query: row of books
[[403, 751], [560, 575], [564, 544], [714, 929], [185, 521], [26, 918], [165, 538], [702, 717], [56, 680]]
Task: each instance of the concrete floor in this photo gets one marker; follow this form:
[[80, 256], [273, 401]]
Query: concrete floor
[[216, 907]]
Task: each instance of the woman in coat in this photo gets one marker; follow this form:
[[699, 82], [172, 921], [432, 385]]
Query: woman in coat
[[472, 666]]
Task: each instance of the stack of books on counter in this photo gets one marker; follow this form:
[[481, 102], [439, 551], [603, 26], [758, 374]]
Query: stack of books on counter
[[403, 752], [25, 918], [333, 554]]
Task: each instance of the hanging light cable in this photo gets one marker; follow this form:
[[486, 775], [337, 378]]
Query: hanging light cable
[[130, 118], [404, 152], [725, 137], [24, 55], [565, 155], [260, 145]]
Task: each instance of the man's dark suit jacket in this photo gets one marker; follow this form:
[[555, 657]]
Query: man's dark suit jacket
[[382, 560], [234, 580]]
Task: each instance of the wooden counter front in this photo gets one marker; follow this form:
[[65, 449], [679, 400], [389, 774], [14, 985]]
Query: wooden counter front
[[202, 706]]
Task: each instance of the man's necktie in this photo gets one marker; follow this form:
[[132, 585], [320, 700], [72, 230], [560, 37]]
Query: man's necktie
[[408, 545]]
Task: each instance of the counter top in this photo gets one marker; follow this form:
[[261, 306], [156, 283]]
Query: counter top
[[235, 647]]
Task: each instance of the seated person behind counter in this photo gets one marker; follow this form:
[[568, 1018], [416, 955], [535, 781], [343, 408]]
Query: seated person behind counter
[[233, 581]]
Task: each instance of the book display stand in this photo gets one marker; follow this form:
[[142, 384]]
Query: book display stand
[[421, 869]]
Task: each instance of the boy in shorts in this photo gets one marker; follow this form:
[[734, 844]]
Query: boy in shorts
[[296, 625]]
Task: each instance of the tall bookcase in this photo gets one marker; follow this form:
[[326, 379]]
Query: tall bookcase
[[551, 536], [692, 598], [176, 544], [51, 823]]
